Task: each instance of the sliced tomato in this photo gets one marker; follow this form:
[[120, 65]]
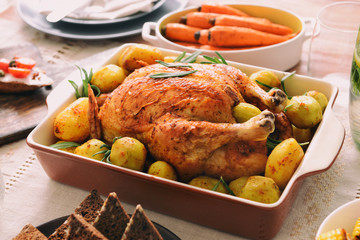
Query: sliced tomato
[[24, 62], [19, 72], [4, 64]]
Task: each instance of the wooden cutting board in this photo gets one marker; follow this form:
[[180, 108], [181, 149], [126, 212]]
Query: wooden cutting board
[[21, 112]]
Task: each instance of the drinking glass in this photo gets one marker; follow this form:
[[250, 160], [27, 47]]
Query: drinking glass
[[354, 101], [333, 39]]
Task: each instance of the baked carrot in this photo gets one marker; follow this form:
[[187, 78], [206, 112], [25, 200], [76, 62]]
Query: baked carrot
[[261, 24], [199, 19], [223, 9], [180, 32], [224, 36], [202, 36]]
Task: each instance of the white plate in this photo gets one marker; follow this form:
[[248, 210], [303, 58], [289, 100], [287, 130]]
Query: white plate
[[95, 31], [344, 216], [157, 5]]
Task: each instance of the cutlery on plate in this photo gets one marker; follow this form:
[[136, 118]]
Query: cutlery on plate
[[65, 9]]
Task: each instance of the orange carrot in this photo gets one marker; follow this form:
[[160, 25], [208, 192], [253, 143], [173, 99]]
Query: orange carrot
[[261, 24], [225, 36], [199, 19], [202, 36], [180, 32], [223, 9]]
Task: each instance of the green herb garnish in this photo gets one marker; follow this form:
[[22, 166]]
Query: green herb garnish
[[173, 65], [283, 81], [85, 80], [172, 74], [221, 180], [215, 60], [107, 151], [62, 145], [192, 58]]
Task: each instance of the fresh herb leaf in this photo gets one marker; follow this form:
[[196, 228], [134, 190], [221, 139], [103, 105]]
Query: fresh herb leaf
[[62, 145], [172, 74], [263, 84], [221, 180], [86, 79], [227, 186], [173, 65], [272, 143], [283, 81], [192, 58], [181, 56], [221, 58], [214, 60], [106, 153]]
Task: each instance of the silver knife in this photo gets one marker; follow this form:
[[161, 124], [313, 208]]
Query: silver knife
[[65, 9]]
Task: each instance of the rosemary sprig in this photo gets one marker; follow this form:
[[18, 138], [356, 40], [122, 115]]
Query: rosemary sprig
[[107, 151], [192, 58], [283, 81], [62, 145], [221, 180], [172, 74], [173, 65], [215, 60], [181, 56], [85, 80]]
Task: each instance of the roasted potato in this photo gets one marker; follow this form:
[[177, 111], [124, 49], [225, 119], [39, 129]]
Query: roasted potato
[[283, 161], [72, 124], [91, 148], [237, 184], [136, 56], [320, 97], [260, 189], [266, 77], [162, 169], [208, 183], [302, 135], [67, 149], [129, 153], [304, 111], [109, 77], [244, 111]]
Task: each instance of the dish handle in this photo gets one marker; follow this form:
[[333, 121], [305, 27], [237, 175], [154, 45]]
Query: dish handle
[[324, 152], [146, 33]]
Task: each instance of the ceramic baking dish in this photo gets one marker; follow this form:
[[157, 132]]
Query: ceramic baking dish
[[215, 210], [281, 56]]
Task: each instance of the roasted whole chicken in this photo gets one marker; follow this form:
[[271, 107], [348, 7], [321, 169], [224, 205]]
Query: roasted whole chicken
[[188, 122]]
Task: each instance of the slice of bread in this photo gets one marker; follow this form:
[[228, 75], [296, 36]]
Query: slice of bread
[[112, 219], [29, 232], [80, 229], [89, 208], [140, 227]]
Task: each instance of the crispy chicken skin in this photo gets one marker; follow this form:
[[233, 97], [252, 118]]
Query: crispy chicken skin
[[188, 122]]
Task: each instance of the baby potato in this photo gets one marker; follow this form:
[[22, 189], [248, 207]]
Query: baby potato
[[209, 183], [91, 147], [109, 77], [244, 111], [267, 77], [140, 52], [72, 124], [162, 169], [169, 59], [283, 161], [304, 111], [260, 189], [237, 184], [302, 135], [129, 153], [320, 97]]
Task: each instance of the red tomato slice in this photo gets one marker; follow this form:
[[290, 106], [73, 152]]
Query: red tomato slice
[[4, 64], [19, 72], [24, 62]]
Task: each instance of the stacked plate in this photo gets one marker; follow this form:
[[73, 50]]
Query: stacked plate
[[96, 29]]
